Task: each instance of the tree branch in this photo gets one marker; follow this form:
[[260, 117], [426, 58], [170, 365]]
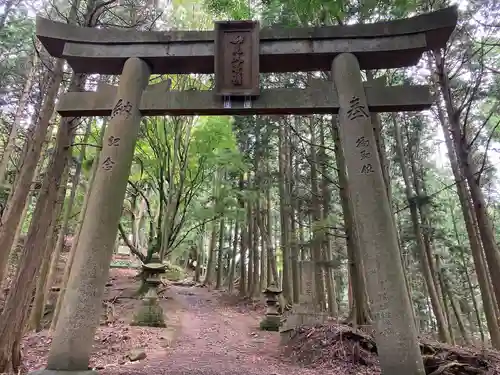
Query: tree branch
[[132, 248]]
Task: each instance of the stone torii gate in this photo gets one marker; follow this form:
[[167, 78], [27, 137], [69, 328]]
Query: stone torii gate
[[237, 52]]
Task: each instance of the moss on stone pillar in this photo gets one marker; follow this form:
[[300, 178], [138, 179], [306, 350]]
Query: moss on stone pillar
[[150, 313]]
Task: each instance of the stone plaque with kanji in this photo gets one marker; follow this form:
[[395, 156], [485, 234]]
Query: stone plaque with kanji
[[237, 58]]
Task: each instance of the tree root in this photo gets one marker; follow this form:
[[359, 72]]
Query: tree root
[[327, 345]]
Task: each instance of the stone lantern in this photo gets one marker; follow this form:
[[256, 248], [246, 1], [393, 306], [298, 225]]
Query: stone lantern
[[151, 314], [272, 319]]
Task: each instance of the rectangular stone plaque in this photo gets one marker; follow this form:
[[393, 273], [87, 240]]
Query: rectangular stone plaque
[[237, 58]]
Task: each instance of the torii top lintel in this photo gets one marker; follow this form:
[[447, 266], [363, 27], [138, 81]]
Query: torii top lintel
[[391, 44]]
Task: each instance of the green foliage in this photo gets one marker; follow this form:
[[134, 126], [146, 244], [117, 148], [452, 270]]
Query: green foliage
[[4, 195], [188, 169], [174, 272], [230, 9], [177, 158], [16, 47], [293, 13]]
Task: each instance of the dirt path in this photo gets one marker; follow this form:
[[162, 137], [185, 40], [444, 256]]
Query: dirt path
[[214, 340]]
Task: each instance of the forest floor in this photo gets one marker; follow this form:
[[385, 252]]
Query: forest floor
[[210, 333], [205, 335]]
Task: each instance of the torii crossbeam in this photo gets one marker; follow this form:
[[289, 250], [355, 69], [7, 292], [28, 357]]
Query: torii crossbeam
[[318, 98], [383, 45]]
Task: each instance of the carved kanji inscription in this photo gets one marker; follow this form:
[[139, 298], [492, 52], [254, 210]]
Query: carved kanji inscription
[[237, 58]]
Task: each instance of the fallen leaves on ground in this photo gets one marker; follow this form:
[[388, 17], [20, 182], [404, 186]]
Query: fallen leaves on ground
[[242, 304], [216, 339], [340, 347], [112, 345], [218, 335], [115, 339]]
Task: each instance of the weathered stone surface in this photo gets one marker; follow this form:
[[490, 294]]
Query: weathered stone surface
[[305, 312], [390, 44], [149, 315], [272, 289], [270, 323], [272, 319], [155, 267], [395, 334], [136, 355], [123, 250], [237, 58], [318, 99], [306, 297], [79, 316]]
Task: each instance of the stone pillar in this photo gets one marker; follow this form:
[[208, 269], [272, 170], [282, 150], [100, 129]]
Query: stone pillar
[[306, 296], [79, 317], [396, 336], [306, 311]]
